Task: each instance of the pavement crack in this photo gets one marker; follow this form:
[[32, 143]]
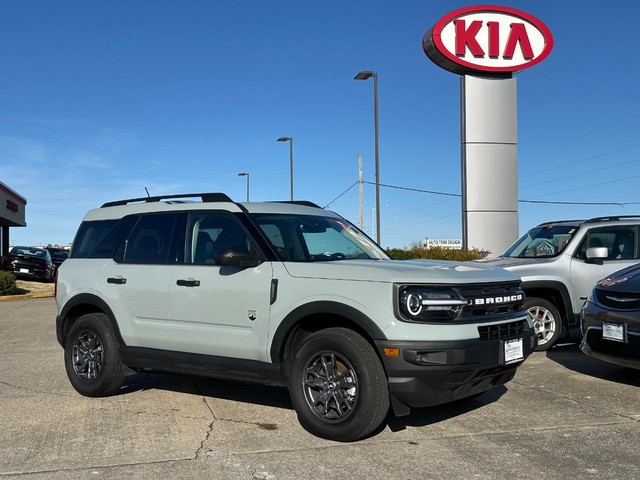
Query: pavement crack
[[33, 390], [93, 469], [202, 450]]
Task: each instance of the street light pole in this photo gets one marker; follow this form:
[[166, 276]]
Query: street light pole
[[245, 174], [290, 140], [364, 75]]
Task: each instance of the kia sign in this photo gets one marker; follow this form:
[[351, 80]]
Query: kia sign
[[487, 39]]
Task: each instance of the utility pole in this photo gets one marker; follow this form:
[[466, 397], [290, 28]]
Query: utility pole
[[361, 196]]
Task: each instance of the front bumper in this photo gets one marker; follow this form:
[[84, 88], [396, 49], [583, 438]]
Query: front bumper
[[435, 372], [625, 353]]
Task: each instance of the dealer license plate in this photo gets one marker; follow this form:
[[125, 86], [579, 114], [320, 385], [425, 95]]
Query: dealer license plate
[[513, 351], [613, 331]]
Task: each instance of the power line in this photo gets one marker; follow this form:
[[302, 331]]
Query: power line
[[355, 183], [416, 190], [600, 184], [622, 204], [539, 172], [608, 167], [619, 204]]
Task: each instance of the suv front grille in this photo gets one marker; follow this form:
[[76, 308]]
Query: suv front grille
[[503, 330], [492, 299], [618, 300], [471, 303]]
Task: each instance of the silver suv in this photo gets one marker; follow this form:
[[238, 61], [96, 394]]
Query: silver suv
[[285, 294], [560, 262]]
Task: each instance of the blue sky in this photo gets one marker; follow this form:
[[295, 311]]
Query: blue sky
[[99, 100]]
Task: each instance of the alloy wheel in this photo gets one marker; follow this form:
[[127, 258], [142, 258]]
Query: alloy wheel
[[330, 386], [544, 323], [88, 356]]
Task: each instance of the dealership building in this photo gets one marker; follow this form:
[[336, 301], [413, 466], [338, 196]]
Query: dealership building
[[12, 214]]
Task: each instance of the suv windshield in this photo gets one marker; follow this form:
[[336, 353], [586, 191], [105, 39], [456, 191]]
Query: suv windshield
[[308, 238], [544, 241]]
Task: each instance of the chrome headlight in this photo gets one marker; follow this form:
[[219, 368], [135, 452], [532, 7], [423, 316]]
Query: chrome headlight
[[429, 304]]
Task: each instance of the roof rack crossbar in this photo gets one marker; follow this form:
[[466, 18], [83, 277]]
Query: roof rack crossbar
[[205, 197]]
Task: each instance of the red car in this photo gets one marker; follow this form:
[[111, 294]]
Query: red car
[[29, 262]]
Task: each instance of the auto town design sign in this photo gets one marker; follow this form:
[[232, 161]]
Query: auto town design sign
[[487, 39]]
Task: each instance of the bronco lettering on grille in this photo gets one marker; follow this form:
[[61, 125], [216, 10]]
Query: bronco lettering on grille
[[498, 300]]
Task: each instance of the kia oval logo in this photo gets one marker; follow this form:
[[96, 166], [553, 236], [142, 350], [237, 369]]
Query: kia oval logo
[[488, 38]]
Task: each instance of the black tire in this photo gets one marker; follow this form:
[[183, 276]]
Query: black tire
[[91, 357], [338, 386], [546, 321]]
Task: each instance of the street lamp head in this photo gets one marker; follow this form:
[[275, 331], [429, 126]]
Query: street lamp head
[[284, 139], [364, 75], [243, 174]]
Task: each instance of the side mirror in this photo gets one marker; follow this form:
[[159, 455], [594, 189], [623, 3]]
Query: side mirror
[[235, 257], [597, 253]]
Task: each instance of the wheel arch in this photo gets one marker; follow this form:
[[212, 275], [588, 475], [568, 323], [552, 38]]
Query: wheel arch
[[83, 304], [553, 291], [315, 316]]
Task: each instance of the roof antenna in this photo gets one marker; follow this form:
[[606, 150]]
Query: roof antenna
[[145, 189]]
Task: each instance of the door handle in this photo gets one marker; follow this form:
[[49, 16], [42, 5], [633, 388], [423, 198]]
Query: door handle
[[117, 280], [188, 282]]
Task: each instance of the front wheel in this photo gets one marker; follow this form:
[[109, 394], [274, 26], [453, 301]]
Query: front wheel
[[338, 386], [91, 357], [546, 321]]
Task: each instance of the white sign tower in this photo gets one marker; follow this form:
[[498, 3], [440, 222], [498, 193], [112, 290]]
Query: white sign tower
[[486, 45]]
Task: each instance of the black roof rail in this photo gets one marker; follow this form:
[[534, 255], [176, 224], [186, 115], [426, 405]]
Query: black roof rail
[[305, 203], [611, 218], [553, 222], [205, 197]]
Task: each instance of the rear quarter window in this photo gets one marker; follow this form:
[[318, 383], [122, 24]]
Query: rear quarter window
[[101, 238]]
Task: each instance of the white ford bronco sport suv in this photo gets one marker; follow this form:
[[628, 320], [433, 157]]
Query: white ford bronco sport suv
[[560, 262], [284, 294]]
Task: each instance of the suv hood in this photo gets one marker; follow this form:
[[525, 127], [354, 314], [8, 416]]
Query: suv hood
[[507, 262], [401, 271]]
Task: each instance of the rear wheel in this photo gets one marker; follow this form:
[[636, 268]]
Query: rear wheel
[[91, 357], [546, 321], [338, 385]]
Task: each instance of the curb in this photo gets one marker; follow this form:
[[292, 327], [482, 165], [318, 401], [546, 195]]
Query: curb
[[26, 296]]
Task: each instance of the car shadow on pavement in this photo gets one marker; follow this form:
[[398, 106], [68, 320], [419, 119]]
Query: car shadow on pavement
[[223, 389], [278, 397], [569, 356]]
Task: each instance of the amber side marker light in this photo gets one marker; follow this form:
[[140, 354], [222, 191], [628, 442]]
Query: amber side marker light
[[391, 352]]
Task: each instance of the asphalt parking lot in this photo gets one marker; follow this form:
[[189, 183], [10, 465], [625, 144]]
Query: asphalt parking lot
[[563, 416]]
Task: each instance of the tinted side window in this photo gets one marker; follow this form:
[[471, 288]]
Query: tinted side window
[[328, 242], [150, 240], [100, 239], [620, 241], [209, 233]]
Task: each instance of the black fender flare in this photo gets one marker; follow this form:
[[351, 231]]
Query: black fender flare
[[317, 308], [96, 304], [556, 286]]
